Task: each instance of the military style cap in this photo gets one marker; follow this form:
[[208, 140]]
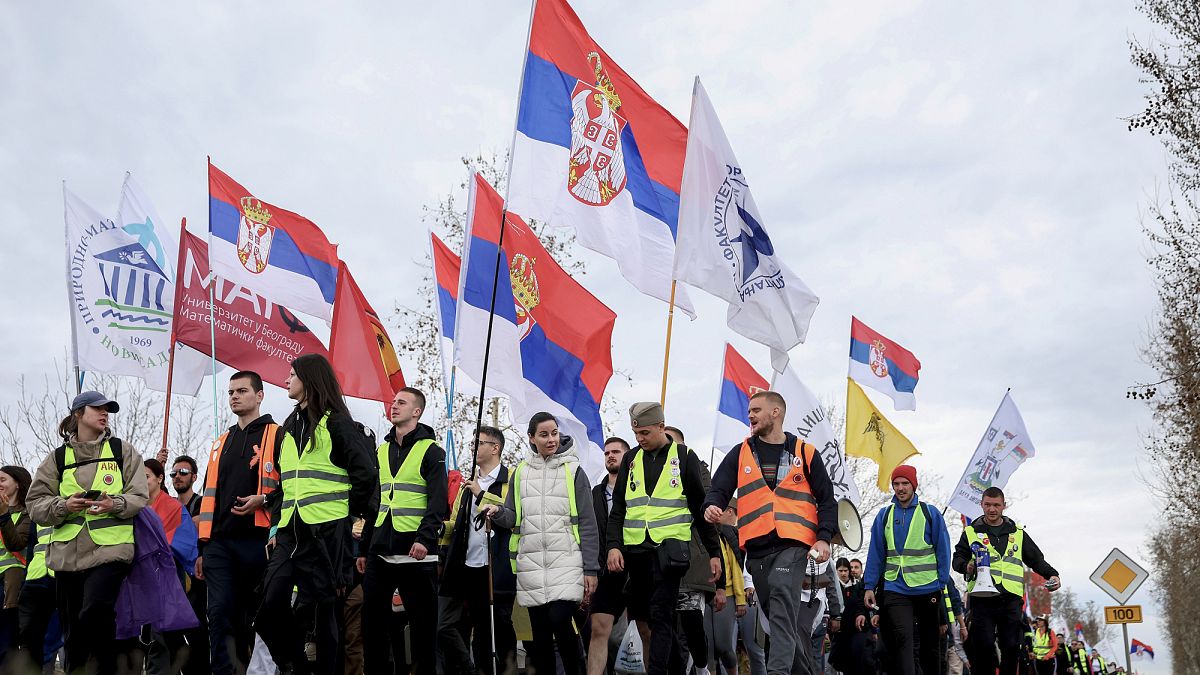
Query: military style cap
[[645, 414]]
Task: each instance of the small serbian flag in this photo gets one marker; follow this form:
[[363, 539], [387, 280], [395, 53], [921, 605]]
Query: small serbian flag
[[883, 365], [446, 269], [739, 381], [1139, 648], [278, 254]]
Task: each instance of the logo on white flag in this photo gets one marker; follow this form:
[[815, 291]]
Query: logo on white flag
[[744, 243], [596, 171], [254, 236]]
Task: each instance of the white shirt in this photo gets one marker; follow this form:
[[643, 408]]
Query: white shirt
[[477, 554]]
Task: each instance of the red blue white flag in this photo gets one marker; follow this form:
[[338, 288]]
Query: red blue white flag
[[447, 268], [883, 365], [279, 254], [594, 152], [1138, 648], [739, 381]]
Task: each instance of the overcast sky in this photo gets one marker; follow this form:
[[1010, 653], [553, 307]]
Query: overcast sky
[[959, 177]]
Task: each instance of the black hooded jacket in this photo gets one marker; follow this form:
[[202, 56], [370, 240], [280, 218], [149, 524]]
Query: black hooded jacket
[[238, 477], [386, 541]]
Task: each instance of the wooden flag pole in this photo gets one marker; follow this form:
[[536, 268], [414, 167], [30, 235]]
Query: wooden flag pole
[[662, 398], [171, 355]]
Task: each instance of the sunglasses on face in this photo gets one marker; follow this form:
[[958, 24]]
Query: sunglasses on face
[[181, 472]]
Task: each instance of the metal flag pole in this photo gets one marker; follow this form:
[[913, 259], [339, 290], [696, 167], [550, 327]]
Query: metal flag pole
[[662, 398], [77, 376], [212, 326]]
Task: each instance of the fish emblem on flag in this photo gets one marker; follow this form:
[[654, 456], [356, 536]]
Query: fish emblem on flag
[[526, 294], [596, 169], [878, 362], [255, 235]]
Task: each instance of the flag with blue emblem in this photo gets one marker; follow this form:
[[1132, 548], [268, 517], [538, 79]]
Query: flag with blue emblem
[[723, 248], [121, 283]]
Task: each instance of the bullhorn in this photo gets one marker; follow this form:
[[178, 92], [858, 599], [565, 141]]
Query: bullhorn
[[849, 525]]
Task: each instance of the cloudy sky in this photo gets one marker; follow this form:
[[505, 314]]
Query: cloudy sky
[[960, 178]]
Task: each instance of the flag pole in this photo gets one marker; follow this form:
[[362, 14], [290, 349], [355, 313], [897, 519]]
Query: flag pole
[[171, 347], [981, 437], [212, 327], [662, 398], [487, 347], [78, 377]]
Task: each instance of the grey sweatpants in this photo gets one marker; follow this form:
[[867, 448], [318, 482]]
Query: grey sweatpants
[[777, 580]]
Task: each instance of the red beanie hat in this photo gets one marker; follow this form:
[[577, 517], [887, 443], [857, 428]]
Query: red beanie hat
[[906, 472]]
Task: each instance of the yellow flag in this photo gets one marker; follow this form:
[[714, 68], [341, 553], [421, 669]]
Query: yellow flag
[[869, 434]]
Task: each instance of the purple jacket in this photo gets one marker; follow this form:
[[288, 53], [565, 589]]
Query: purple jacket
[[152, 593]]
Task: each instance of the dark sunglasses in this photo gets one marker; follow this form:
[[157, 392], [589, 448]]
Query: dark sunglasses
[[181, 472]]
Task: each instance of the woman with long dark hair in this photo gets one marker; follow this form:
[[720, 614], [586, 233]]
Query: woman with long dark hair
[[328, 474], [88, 491], [15, 535], [555, 545]]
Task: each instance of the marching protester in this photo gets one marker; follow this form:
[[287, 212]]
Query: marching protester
[[997, 619], [234, 523], [852, 653], [467, 554], [399, 544], [659, 495], [184, 473], [88, 490], [785, 508], [908, 564], [161, 652], [1045, 646], [15, 534], [1062, 656], [554, 544], [608, 602], [721, 624], [327, 475]]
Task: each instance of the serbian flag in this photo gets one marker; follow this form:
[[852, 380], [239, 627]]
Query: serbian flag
[[739, 381], [1139, 648], [883, 365], [360, 350], [594, 152], [252, 333], [279, 254], [446, 270]]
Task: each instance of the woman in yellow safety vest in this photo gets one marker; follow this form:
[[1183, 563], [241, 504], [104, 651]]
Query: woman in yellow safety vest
[[328, 474], [1045, 644], [88, 490], [555, 543], [15, 534]]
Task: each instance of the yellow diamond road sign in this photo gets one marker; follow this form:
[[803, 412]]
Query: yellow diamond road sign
[[1119, 576]]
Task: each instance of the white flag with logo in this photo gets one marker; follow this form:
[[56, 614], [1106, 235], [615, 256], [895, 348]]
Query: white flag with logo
[[722, 247], [807, 419], [1003, 449], [121, 284]]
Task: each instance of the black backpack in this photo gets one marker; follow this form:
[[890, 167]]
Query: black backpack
[[60, 457]]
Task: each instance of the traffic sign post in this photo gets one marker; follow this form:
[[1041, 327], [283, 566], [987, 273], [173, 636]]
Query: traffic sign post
[[1120, 577]]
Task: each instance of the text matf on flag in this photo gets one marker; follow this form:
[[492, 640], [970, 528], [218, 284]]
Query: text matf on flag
[[276, 253], [594, 152], [360, 350], [723, 249], [739, 381], [252, 333], [446, 270], [883, 365]]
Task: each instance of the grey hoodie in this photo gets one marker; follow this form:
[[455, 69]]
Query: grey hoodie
[[47, 508]]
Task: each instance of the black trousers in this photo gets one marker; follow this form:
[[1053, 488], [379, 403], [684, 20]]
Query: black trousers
[[286, 628], [472, 596], [910, 629], [87, 602], [382, 645], [652, 596], [233, 568], [35, 608], [1045, 667], [995, 621], [551, 624]]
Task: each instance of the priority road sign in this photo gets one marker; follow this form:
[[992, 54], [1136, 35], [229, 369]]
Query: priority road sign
[[1119, 576]]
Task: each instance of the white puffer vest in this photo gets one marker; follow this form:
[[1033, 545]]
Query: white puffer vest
[[549, 562]]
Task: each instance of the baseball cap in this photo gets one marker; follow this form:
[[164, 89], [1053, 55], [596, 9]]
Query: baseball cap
[[94, 399]]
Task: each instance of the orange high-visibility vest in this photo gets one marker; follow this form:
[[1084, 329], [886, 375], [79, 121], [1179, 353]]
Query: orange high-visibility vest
[[790, 511], [268, 480]]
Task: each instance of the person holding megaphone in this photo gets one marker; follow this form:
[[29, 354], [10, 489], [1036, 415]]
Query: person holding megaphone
[[992, 555]]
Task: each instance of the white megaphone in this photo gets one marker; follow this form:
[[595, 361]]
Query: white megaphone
[[850, 531], [984, 586]]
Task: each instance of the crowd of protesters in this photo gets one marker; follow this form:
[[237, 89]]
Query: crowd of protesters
[[310, 548]]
